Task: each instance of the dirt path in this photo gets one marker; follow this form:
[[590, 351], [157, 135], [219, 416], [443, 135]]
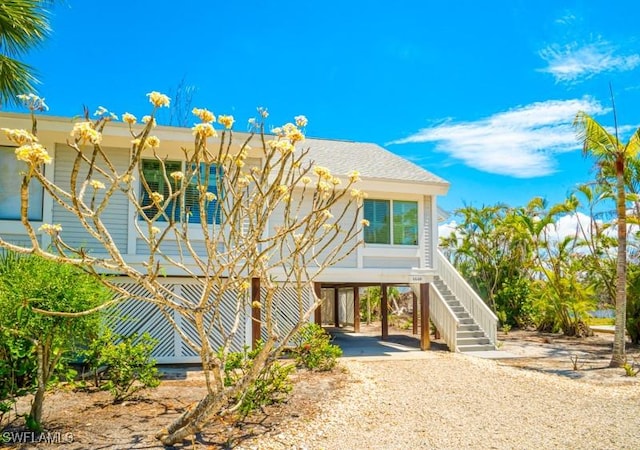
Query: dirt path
[[440, 400]]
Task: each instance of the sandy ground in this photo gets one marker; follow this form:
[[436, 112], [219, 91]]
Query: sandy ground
[[436, 400]]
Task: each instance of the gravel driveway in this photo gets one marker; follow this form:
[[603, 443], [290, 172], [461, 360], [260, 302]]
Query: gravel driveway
[[453, 401]]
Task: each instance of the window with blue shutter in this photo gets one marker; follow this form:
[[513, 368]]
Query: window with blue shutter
[[209, 175], [389, 218], [377, 212]]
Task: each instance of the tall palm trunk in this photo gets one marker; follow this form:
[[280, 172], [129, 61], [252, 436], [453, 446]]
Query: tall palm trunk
[[618, 358]]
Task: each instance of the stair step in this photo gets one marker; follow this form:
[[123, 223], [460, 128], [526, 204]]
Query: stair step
[[457, 309], [475, 348], [467, 321], [465, 342], [468, 327], [463, 315], [470, 334]]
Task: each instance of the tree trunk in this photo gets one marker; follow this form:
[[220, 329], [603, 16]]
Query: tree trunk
[[619, 358], [193, 420], [34, 422]]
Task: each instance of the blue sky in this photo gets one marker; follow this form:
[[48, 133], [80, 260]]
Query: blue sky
[[480, 93]]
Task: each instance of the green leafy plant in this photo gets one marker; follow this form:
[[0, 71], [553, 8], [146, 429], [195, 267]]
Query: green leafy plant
[[123, 364], [631, 369], [271, 386], [35, 344], [313, 349]]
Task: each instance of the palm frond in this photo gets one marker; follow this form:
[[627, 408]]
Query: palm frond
[[596, 140], [15, 78], [24, 24]]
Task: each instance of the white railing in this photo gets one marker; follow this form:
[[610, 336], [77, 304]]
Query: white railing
[[475, 306], [443, 318]]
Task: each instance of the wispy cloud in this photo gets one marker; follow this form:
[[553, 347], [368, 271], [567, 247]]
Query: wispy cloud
[[521, 142], [573, 62]]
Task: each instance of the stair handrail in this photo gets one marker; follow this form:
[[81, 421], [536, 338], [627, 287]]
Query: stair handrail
[[443, 318], [475, 306]]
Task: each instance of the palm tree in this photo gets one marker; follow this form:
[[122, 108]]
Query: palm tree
[[23, 26], [610, 153]]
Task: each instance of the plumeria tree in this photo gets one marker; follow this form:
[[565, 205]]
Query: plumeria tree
[[235, 198]]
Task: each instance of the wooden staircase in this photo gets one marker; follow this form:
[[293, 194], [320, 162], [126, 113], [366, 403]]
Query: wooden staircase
[[469, 337]]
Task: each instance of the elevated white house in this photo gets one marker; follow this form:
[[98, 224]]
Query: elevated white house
[[400, 245]]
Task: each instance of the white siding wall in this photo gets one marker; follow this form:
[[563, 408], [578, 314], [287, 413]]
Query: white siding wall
[[351, 260], [115, 216], [428, 245]]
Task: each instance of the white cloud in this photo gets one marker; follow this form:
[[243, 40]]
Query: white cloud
[[520, 142], [574, 62]]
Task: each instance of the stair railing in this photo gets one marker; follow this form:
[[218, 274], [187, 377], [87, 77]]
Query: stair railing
[[443, 318], [475, 306]]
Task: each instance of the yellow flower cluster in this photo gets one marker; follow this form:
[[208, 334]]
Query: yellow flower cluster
[[283, 189], [204, 114], [96, 184], [153, 141], [226, 121], [33, 153], [244, 285], [293, 133], [158, 100], [243, 181], [354, 176], [20, 137], [358, 194], [33, 102], [324, 187], [129, 118], [155, 230], [305, 180], [83, 132], [301, 121], [263, 112], [326, 214], [204, 130], [102, 111], [322, 172], [281, 145], [157, 197], [364, 223], [50, 229], [147, 119], [210, 196], [177, 176]]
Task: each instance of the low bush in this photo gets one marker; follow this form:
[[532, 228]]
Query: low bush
[[272, 385], [313, 349], [123, 364]]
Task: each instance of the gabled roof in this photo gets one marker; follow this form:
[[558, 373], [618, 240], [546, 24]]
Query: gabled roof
[[371, 160]]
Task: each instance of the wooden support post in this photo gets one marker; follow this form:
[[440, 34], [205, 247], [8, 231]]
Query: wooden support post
[[317, 314], [384, 311], [336, 307], [255, 312], [414, 297], [356, 309], [425, 342]]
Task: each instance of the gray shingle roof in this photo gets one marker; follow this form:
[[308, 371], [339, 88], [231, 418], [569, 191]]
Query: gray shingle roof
[[371, 160]]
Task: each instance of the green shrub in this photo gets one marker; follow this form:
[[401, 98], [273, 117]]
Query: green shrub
[[29, 337], [126, 362], [313, 349], [272, 385]]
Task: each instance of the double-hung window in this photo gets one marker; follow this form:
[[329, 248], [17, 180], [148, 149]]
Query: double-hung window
[[189, 211], [10, 183], [391, 222]]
